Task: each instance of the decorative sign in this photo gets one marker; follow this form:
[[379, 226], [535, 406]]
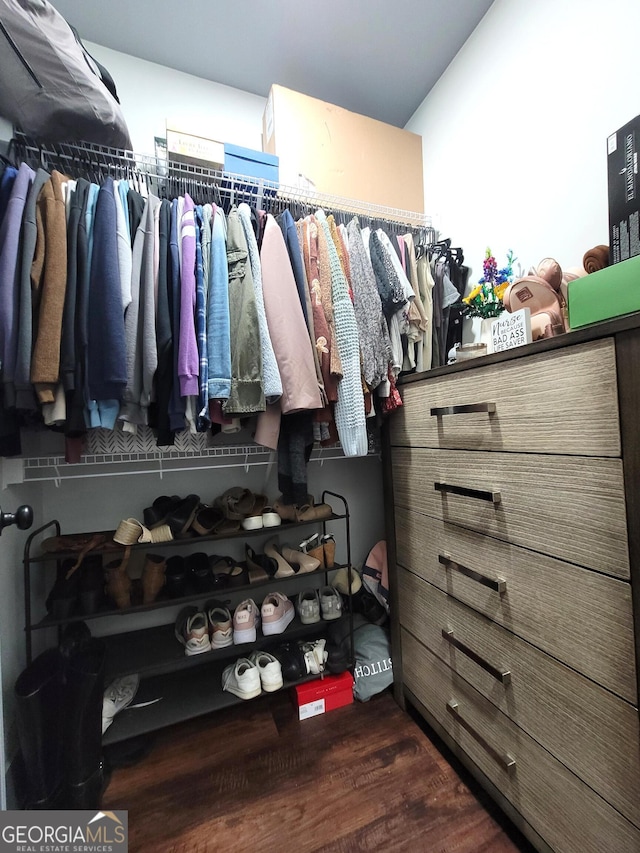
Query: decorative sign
[[511, 330], [188, 148]]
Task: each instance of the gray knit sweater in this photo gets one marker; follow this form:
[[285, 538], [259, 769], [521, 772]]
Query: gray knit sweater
[[375, 345], [349, 410]]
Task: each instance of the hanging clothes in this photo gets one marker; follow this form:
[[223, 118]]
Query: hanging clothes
[[176, 404], [140, 325], [373, 334], [10, 280], [107, 351], [271, 373], [218, 331], [349, 410], [164, 336], [287, 327], [247, 390], [49, 272]]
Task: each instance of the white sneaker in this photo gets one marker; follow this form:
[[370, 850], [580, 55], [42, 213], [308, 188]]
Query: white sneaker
[[242, 678], [269, 669], [246, 619], [315, 656], [277, 612], [117, 696], [330, 603], [309, 606]]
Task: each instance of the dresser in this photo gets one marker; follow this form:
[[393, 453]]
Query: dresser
[[513, 495]]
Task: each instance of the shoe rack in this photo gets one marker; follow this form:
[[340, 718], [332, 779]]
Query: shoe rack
[[179, 687]]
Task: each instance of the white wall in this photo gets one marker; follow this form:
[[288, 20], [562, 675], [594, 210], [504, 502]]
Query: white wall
[[150, 94], [514, 133], [12, 646]]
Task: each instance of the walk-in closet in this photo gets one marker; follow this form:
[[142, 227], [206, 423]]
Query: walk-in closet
[[318, 426]]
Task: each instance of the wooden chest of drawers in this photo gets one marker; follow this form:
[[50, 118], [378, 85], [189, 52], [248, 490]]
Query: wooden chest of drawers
[[513, 490]]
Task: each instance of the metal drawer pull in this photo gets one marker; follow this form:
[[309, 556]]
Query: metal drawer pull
[[506, 761], [490, 408], [504, 676], [498, 585], [480, 494]]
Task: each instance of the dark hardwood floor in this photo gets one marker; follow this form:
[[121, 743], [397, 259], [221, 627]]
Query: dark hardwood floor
[[364, 777]]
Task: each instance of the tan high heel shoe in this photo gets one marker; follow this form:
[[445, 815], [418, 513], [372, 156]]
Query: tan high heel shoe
[[285, 569], [304, 562], [118, 586], [153, 577]]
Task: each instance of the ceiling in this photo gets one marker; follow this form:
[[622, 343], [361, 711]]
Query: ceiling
[[374, 57]]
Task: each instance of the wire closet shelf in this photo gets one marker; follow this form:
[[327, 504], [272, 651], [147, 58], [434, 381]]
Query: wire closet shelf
[[162, 176]]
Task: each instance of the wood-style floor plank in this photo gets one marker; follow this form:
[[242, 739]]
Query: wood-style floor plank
[[364, 777]]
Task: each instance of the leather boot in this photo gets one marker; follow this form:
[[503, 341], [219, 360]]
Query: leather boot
[[118, 582], [153, 577], [329, 548], [82, 708], [38, 691]]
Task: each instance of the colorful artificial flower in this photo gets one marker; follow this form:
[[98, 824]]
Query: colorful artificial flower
[[485, 300]]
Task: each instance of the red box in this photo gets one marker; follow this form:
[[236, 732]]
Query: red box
[[323, 694]]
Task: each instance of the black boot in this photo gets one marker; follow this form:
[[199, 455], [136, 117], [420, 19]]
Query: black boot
[[38, 713], [82, 709]]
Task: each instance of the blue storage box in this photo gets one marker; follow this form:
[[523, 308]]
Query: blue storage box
[[254, 164]]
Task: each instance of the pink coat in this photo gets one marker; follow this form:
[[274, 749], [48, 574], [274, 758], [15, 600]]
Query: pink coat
[[287, 327]]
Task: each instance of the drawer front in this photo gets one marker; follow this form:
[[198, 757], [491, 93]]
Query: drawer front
[[557, 402], [581, 617], [591, 731], [568, 814], [566, 506]]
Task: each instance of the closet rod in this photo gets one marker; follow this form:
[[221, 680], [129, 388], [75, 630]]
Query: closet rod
[[118, 162]]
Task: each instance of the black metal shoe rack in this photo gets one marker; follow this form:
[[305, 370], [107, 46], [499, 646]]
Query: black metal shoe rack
[[185, 687]]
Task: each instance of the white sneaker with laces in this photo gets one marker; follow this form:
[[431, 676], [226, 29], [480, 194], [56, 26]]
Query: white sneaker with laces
[[330, 603], [309, 606], [117, 696], [242, 678], [315, 656], [269, 669]]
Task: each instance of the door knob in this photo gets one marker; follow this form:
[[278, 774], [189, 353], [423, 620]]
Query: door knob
[[22, 518]]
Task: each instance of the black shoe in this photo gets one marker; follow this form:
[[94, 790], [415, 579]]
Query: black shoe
[[198, 571], [337, 658], [291, 660], [63, 597], [157, 514], [175, 577], [259, 566], [182, 514], [91, 585]]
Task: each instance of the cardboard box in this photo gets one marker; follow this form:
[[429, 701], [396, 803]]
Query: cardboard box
[[253, 164], [624, 204], [330, 150], [323, 694], [607, 293]]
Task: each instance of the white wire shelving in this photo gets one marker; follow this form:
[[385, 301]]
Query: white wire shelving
[[113, 454]]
